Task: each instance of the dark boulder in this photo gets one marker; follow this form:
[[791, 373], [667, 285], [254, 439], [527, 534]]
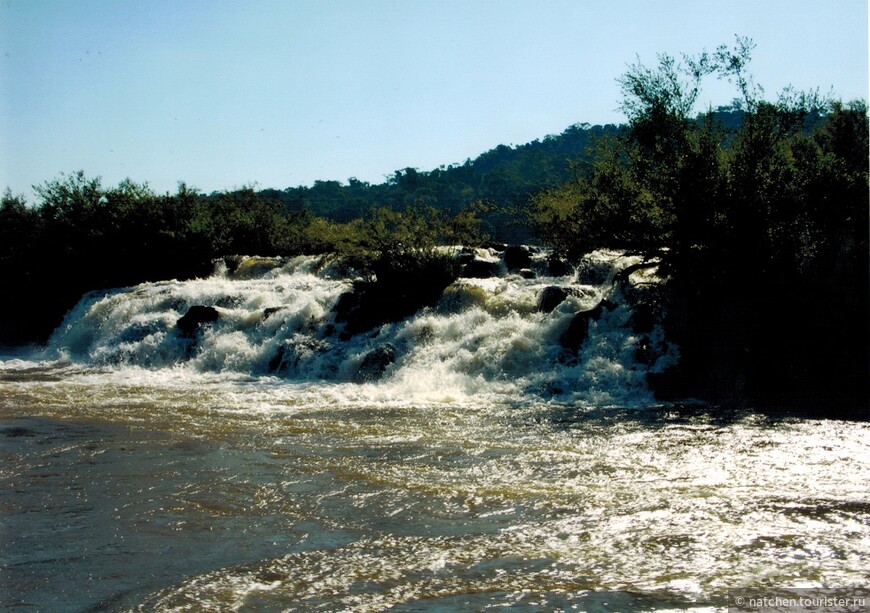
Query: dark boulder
[[578, 329], [465, 255], [517, 256], [278, 359], [645, 353], [558, 267], [551, 297], [480, 269], [233, 262], [269, 311], [346, 303], [527, 273], [291, 353], [375, 363], [397, 289], [592, 271], [197, 315]]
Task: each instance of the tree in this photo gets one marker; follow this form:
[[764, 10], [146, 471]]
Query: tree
[[758, 222]]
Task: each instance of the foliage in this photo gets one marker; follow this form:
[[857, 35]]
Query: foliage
[[82, 236], [503, 179], [764, 225]]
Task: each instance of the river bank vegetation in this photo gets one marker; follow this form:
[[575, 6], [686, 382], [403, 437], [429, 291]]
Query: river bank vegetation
[[758, 211]]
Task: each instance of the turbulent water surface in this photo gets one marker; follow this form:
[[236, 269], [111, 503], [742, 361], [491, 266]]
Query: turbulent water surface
[[247, 464]]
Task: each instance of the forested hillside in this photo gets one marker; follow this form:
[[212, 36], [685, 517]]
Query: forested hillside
[[499, 182]]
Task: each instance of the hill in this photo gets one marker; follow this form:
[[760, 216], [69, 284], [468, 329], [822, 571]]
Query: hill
[[504, 178]]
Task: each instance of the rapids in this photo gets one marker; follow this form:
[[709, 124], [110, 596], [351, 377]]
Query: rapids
[[275, 317], [246, 465]]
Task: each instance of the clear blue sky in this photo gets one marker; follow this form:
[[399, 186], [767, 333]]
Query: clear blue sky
[[225, 93]]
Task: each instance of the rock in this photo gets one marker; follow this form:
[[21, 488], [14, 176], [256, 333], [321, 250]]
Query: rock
[[578, 330], [527, 273], [375, 363], [591, 272], [480, 269], [465, 255], [190, 322], [232, 262], [364, 309], [644, 353], [551, 297], [253, 267], [459, 297], [558, 267], [269, 311], [517, 256], [278, 359], [346, 303], [397, 290], [290, 353], [671, 384]]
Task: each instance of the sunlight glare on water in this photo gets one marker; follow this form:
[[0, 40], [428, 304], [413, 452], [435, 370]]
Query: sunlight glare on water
[[317, 497]]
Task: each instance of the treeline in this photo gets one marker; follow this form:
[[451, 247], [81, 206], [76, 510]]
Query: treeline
[[763, 229], [82, 236], [504, 178]]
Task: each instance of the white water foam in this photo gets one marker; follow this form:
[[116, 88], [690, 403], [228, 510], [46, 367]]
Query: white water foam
[[274, 318]]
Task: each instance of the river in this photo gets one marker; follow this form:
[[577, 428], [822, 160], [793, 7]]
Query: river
[[483, 468]]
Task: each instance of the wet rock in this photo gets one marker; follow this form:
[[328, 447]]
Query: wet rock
[[364, 309], [397, 290], [252, 267], [480, 269], [517, 256], [578, 329], [291, 353], [232, 262], [527, 273], [375, 363], [465, 255], [671, 384], [594, 269], [644, 353], [558, 267], [269, 311], [278, 359], [551, 297], [346, 303], [459, 297], [197, 315]]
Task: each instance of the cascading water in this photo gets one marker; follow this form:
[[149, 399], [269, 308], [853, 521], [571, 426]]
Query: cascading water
[[242, 442], [493, 335]]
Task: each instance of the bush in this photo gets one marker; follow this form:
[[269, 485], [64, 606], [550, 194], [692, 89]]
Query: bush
[[765, 229]]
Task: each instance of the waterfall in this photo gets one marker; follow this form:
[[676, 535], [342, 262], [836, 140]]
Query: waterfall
[[591, 334]]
